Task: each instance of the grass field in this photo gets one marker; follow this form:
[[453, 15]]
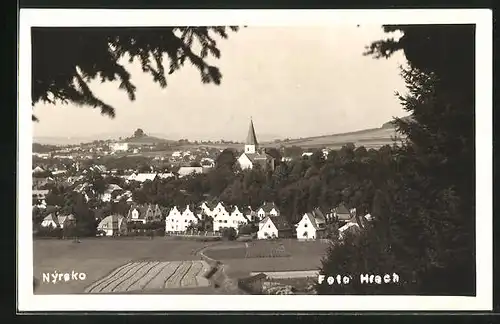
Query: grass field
[[262, 256]]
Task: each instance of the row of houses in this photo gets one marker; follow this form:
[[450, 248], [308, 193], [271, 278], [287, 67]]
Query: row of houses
[[268, 217]]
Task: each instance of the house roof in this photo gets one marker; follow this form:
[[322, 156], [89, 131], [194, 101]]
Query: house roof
[[251, 138], [318, 215], [189, 170], [112, 187], [280, 222], [312, 220], [210, 204], [268, 206], [141, 177], [110, 220], [348, 226], [342, 209]]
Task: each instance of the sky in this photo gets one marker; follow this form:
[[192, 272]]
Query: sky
[[292, 81]]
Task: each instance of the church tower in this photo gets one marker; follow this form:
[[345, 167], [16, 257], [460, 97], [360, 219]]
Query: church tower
[[251, 144]]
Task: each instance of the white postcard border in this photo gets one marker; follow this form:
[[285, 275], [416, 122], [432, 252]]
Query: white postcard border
[[27, 301]]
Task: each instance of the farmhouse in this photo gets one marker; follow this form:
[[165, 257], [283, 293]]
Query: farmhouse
[[252, 155], [144, 214], [311, 226], [268, 209], [274, 227], [113, 225]]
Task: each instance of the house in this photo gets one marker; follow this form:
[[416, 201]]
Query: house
[[208, 208], [118, 147], [39, 195], [236, 218], [177, 221], [250, 214], [113, 225], [41, 182], [348, 227], [311, 226], [342, 214], [54, 221], [165, 175], [142, 177], [307, 154], [274, 227], [220, 217], [144, 214], [38, 169], [110, 190], [268, 209], [185, 171], [252, 155]]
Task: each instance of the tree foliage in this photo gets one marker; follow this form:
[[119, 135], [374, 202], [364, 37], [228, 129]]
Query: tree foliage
[[424, 203], [66, 60]]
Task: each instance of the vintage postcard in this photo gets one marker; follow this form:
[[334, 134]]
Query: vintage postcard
[[255, 160]]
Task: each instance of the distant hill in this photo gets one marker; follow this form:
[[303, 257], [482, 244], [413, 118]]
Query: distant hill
[[369, 138], [145, 140]]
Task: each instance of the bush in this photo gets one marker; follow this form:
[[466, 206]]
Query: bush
[[247, 229], [229, 233]]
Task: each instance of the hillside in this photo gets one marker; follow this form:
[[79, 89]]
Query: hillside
[[369, 138], [145, 140]]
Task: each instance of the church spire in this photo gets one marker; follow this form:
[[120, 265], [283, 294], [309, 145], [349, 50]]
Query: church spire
[[251, 142], [251, 138]]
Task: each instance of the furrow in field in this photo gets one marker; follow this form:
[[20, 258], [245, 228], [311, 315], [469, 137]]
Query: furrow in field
[[158, 282], [108, 279], [189, 279], [135, 277], [109, 287], [150, 275], [98, 282], [175, 280]]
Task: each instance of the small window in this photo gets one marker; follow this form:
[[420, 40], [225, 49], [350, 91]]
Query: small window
[[269, 226], [305, 225]]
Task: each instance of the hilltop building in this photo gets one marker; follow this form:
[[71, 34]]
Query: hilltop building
[[253, 154]]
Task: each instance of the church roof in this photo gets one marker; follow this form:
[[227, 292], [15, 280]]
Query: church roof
[[251, 138]]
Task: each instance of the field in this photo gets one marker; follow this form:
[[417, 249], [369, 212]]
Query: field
[[99, 257], [162, 265], [241, 259], [148, 276]]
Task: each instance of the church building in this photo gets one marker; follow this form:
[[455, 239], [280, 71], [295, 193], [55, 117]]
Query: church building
[[253, 154]]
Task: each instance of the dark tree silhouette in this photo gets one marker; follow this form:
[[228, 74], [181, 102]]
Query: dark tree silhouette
[[65, 60], [139, 133]]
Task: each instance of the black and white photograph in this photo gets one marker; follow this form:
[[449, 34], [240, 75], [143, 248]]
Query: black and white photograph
[[220, 160]]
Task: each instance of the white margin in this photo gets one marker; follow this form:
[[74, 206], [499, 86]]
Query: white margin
[[27, 301]]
